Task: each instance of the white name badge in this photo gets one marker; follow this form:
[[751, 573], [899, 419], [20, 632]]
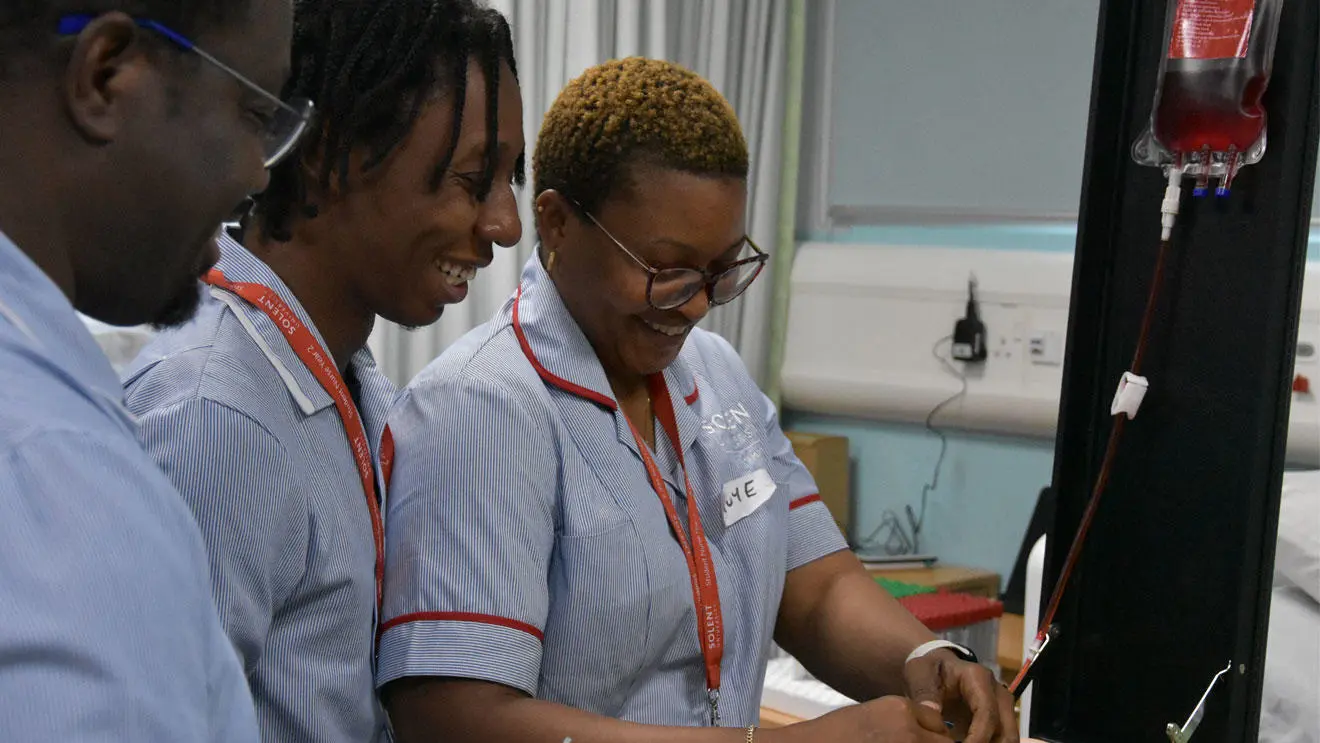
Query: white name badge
[[743, 495]]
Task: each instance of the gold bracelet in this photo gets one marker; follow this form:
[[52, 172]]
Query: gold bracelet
[[751, 734]]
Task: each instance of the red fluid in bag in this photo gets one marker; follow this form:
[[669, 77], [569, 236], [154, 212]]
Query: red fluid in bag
[[1209, 106], [1208, 119]]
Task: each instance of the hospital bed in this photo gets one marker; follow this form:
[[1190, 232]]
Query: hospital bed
[[1290, 704]]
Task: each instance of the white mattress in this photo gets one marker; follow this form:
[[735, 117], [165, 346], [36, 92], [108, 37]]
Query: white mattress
[[791, 690], [1290, 704]]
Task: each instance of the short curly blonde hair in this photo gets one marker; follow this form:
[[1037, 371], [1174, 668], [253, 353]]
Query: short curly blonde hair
[[630, 112]]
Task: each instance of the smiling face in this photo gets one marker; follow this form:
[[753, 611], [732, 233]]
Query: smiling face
[[669, 219], [409, 242]]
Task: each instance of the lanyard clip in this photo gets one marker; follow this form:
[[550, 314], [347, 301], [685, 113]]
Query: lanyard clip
[[713, 696]]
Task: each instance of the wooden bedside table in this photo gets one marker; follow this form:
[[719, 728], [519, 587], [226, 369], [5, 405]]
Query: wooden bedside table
[[1010, 646], [973, 581], [1009, 658], [771, 718]]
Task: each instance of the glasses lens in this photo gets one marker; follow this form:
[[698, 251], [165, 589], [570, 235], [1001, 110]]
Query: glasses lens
[[285, 129], [673, 287], [735, 281]]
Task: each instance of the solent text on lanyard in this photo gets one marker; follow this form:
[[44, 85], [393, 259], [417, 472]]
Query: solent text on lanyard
[[701, 568], [322, 366]]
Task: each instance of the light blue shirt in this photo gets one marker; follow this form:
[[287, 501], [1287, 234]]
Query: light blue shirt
[[528, 548], [257, 448], [107, 629]]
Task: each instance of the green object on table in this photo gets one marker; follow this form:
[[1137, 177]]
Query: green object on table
[[898, 589]]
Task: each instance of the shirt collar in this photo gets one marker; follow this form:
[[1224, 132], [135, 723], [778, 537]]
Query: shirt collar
[[32, 302], [685, 392], [562, 355], [552, 340], [376, 392]]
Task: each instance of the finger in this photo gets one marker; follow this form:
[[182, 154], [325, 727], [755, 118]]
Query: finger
[[977, 688], [925, 682], [927, 736], [930, 726], [929, 719], [1007, 716], [959, 717]]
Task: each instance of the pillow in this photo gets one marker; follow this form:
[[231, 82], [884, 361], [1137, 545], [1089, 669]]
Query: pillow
[[1288, 709], [1297, 554]]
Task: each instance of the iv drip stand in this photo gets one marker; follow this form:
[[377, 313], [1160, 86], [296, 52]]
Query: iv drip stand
[[1176, 573]]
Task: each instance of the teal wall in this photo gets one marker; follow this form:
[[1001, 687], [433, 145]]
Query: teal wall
[[989, 484], [984, 117], [1042, 237], [987, 488]]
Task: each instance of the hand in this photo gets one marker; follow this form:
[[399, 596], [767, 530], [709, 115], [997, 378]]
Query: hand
[[884, 720], [964, 693]]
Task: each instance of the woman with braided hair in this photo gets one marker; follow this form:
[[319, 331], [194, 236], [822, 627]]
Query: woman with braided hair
[[268, 411], [597, 527]]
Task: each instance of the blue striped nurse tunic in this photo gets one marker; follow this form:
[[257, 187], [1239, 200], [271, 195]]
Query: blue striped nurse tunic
[[258, 450], [528, 548]]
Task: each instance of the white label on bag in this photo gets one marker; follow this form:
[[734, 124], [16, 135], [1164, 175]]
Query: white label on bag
[[743, 495]]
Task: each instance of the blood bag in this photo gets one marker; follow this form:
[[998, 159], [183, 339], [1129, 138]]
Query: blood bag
[[1208, 120]]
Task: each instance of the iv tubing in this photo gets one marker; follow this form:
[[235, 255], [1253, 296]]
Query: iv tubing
[[1169, 213], [1169, 209]]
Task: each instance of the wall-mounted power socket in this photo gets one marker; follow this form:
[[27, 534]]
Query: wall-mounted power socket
[[1045, 348]]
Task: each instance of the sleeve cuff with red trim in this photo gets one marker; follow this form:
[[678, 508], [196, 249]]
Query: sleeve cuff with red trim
[[812, 533], [496, 650]]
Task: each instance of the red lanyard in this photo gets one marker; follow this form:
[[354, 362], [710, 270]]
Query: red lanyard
[[322, 366], [701, 568]]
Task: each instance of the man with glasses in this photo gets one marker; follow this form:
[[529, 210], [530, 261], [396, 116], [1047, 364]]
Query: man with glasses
[[128, 132]]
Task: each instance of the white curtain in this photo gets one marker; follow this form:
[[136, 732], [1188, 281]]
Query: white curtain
[[739, 45]]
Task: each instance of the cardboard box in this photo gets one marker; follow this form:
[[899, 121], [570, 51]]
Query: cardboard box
[[827, 459]]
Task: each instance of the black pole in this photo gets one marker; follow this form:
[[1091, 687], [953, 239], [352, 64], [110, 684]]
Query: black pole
[[1175, 579]]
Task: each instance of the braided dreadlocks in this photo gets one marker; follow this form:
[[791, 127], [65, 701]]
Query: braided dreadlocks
[[371, 66]]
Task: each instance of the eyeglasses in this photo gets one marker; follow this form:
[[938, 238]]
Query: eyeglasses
[[670, 288], [280, 131]]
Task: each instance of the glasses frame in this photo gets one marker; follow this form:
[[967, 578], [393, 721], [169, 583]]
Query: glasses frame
[[709, 279], [302, 108]]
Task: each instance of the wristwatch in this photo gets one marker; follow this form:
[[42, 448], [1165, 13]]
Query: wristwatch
[[963, 653]]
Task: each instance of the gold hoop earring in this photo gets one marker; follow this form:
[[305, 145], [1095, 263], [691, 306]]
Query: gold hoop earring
[[550, 262]]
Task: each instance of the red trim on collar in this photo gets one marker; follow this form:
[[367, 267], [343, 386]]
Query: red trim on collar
[[692, 398], [560, 382]]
